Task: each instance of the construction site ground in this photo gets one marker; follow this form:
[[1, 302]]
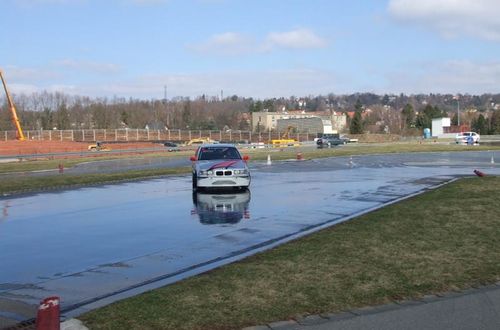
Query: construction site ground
[[34, 147]]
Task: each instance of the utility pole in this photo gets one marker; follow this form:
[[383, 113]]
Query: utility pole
[[166, 104]]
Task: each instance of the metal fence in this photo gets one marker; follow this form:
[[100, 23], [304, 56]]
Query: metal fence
[[133, 135]]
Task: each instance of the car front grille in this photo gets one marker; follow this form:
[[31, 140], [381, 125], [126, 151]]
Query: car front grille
[[223, 173]]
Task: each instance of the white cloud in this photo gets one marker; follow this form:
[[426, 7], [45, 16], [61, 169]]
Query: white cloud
[[232, 43], [89, 66], [451, 18], [228, 43], [14, 73], [262, 84], [249, 84], [295, 39], [452, 76]]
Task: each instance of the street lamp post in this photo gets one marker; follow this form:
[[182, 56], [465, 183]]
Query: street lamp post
[[458, 112]]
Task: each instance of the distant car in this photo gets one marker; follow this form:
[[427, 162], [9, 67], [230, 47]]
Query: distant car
[[171, 146], [199, 141], [220, 166], [467, 138], [325, 142], [348, 139]]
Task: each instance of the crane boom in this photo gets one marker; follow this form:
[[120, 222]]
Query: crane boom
[[13, 112]]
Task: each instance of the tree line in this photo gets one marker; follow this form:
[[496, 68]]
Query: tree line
[[407, 121], [399, 114]]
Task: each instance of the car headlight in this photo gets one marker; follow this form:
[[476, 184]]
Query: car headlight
[[240, 172], [205, 172]]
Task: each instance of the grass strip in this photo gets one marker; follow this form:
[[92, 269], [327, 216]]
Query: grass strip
[[443, 240], [50, 164], [32, 184], [363, 149]]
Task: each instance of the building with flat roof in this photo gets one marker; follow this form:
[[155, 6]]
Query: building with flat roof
[[266, 121]]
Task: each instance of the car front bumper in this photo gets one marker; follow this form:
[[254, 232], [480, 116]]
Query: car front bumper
[[223, 182]]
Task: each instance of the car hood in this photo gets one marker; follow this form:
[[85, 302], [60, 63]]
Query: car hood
[[220, 163]]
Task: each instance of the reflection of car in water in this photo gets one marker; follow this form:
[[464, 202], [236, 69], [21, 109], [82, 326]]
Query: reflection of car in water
[[221, 208]]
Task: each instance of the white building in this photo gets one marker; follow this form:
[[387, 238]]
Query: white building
[[440, 127]]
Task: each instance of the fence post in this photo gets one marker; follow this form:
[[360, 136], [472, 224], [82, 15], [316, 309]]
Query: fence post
[[83, 135], [168, 135], [105, 138], [94, 134], [72, 135], [250, 136], [137, 134], [148, 133], [189, 134], [60, 135], [158, 135], [5, 135], [220, 135]]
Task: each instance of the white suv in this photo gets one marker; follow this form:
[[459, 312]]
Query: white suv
[[467, 138]]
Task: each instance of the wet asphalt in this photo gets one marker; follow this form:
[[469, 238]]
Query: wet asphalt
[[92, 246]]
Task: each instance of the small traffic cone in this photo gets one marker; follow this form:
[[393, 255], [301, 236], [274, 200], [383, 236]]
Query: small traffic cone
[[492, 160], [269, 159]]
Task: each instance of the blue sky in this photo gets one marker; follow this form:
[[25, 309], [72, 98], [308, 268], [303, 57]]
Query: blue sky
[[252, 48]]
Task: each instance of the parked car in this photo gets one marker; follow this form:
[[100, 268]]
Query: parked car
[[348, 139], [171, 146], [324, 142], [219, 166], [467, 138]]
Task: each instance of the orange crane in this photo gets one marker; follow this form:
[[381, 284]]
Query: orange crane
[[15, 120]]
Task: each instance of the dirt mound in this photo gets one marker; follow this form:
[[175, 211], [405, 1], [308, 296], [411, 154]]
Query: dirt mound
[[44, 147]]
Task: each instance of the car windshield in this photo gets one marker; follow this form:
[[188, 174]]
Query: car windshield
[[212, 153]]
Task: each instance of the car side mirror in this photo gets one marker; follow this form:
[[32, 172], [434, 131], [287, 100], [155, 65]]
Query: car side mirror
[[246, 158], [192, 158]]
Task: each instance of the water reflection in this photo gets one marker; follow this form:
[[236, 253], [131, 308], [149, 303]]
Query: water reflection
[[221, 207], [5, 210]]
